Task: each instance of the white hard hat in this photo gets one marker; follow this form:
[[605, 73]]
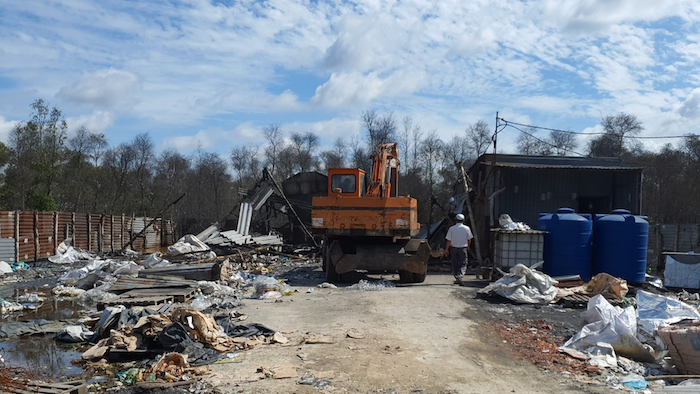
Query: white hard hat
[[459, 217]]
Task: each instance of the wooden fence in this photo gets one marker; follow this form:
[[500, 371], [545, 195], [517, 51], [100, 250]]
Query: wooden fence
[[34, 235]]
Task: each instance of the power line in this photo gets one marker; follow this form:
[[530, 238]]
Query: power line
[[596, 133], [543, 141]]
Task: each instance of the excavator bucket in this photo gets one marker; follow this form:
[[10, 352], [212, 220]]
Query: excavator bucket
[[409, 258]]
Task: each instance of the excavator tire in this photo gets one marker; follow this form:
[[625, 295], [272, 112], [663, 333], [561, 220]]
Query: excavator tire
[[405, 277], [324, 257], [331, 274], [411, 277]]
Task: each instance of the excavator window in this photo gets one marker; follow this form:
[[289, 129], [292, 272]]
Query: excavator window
[[346, 182]]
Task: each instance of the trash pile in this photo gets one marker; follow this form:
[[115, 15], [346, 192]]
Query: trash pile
[[632, 341], [158, 318], [647, 335]]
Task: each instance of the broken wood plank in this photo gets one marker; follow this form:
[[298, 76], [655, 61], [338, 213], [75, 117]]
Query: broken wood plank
[[73, 387]]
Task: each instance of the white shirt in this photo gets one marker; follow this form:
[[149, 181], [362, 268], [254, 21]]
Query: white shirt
[[459, 235]]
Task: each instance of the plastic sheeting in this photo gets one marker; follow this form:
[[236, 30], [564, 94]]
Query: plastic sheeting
[[155, 261], [683, 271], [655, 311], [524, 285], [66, 254], [190, 244], [607, 324], [74, 334], [5, 268]]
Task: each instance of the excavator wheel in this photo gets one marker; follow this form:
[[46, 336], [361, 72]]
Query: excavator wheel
[[324, 257], [331, 274], [411, 277]]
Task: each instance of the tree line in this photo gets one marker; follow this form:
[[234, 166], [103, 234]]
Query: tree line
[[44, 169]]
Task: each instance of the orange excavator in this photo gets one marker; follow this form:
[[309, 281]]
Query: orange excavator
[[366, 225]]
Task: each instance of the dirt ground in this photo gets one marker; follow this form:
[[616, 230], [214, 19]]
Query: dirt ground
[[433, 337]]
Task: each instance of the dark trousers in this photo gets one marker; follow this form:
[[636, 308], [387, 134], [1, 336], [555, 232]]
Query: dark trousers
[[458, 257]]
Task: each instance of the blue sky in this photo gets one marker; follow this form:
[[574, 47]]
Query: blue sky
[[210, 74]]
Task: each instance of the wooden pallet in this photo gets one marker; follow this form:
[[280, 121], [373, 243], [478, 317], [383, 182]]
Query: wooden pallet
[[125, 283], [581, 301], [74, 387], [136, 301], [179, 294]]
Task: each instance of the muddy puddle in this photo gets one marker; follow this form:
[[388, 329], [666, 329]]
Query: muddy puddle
[[41, 353]]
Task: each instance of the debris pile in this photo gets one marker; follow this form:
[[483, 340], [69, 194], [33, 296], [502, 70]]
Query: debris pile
[[215, 237]]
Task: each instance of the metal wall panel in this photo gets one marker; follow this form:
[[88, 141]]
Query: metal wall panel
[[94, 232], [41, 232], [80, 237], [26, 235], [65, 226], [529, 191], [7, 250], [107, 234], [45, 227], [7, 224]]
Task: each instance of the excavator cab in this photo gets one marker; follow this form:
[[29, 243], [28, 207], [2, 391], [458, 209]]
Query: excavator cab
[[367, 225], [348, 182]]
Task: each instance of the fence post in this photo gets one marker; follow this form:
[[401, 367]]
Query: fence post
[[55, 232], [36, 235], [17, 259], [111, 233], [101, 233], [133, 224], [72, 228], [89, 231], [121, 235]]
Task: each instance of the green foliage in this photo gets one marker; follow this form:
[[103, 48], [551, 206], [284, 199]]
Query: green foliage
[[40, 202]]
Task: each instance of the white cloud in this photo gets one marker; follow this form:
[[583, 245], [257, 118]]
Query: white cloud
[[96, 122], [104, 88], [216, 139], [355, 89], [5, 127], [690, 108]]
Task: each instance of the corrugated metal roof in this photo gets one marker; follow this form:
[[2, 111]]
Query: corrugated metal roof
[[522, 161]]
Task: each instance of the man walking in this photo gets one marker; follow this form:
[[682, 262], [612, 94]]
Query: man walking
[[459, 239]]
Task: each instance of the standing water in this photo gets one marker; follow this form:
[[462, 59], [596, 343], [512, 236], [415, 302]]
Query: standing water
[[41, 354]]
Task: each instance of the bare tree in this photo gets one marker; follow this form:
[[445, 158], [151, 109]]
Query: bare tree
[[380, 128], [528, 144], [275, 142], [431, 155], [305, 145], [478, 137], [407, 141], [334, 157], [562, 142], [118, 163], [615, 142]]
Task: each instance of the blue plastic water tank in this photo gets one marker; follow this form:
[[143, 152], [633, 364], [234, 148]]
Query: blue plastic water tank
[[567, 243], [620, 245]]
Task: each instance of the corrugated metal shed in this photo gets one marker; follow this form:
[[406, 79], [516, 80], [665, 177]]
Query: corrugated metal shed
[[525, 186]]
